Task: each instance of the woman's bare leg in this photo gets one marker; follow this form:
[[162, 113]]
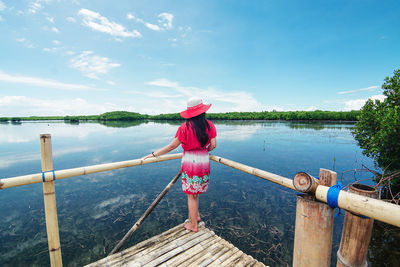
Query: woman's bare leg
[[193, 213], [198, 213]]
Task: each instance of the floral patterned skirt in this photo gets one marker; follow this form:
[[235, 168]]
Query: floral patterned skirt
[[195, 171]]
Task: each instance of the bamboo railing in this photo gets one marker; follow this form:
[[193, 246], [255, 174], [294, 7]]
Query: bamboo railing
[[374, 208], [358, 204], [68, 173]]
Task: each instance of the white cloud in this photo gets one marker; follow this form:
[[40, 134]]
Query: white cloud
[[34, 7], [225, 101], [312, 108], [24, 106], [275, 108], [1, 18], [2, 6], [371, 88], [356, 104], [54, 29], [37, 5], [152, 26], [53, 49], [40, 82], [99, 23], [25, 42], [71, 19], [163, 83], [165, 19], [50, 19], [50, 50], [92, 65]]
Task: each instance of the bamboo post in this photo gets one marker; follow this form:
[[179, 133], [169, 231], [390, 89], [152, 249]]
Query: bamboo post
[[357, 231], [50, 208], [145, 214], [314, 227]]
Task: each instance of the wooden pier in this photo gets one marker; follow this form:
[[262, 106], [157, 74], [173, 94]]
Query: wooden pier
[[180, 247]]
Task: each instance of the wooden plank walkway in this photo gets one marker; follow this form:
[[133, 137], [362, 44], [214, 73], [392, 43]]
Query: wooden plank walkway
[[180, 247]]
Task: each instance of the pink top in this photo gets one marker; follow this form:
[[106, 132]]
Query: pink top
[[188, 137]]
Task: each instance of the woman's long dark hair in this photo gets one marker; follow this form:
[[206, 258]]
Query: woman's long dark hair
[[198, 125]]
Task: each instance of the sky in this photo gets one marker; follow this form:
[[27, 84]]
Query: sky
[[76, 57]]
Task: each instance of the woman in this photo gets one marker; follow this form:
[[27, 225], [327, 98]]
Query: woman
[[197, 137]]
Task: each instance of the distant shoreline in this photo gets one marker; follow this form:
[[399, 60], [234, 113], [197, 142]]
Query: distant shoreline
[[318, 115]]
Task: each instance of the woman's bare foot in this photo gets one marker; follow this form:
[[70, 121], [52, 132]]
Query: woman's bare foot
[[198, 218], [189, 226]]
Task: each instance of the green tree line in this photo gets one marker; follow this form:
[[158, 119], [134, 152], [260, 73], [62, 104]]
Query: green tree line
[[317, 115]]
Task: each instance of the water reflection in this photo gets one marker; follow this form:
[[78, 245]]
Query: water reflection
[[122, 124], [30, 131], [96, 210], [321, 125]]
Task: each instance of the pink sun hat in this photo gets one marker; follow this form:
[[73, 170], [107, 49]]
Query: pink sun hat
[[195, 107]]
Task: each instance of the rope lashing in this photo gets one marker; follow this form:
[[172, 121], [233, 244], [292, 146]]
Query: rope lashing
[[333, 195], [44, 178]]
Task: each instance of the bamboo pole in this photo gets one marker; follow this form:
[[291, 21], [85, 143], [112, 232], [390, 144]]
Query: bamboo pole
[[305, 183], [145, 214], [50, 207], [286, 182], [374, 208], [314, 228], [67, 173], [357, 232], [370, 207]]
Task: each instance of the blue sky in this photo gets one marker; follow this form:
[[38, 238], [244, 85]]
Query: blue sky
[[62, 57]]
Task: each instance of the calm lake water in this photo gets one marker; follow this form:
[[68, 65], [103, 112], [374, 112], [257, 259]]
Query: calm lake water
[[96, 210]]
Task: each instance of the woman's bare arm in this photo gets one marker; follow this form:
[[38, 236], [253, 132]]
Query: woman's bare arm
[[171, 146]]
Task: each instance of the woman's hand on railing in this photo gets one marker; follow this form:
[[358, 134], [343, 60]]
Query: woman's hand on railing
[[212, 145], [148, 156]]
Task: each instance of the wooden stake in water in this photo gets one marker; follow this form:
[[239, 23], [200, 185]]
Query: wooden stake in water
[[357, 232], [50, 207], [145, 214], [314, 227]]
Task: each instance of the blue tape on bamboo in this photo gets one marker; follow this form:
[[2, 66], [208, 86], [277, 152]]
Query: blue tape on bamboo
[[44, 176], [333, 195]]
